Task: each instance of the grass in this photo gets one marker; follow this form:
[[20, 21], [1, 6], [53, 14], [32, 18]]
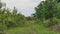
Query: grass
[[32, 29]]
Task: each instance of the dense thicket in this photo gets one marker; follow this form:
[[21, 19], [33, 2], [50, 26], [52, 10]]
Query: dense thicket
[[48, 10], [10, 18], [47, 14]]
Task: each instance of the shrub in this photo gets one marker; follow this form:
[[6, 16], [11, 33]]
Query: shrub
[[48, 23]]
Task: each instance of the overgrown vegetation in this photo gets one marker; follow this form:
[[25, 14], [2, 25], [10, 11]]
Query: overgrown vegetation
[[48, 10], [46, 19], [10, 19]]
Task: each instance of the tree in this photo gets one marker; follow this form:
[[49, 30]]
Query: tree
[[14, 11], [2, 23], [10, 19], [48, 10], [0, 4]]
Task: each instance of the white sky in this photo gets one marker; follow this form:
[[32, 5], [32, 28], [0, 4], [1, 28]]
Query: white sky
[[26, 7]]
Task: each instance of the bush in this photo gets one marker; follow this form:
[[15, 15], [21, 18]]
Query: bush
[[15, 23], [2, 27], [48, 23]]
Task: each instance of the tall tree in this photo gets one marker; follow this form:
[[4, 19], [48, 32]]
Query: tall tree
[[14, 11], [46, 9]]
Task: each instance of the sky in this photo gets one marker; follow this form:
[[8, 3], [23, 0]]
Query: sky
[[26, 7]]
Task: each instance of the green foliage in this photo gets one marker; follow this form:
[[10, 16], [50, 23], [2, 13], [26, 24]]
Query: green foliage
[[47, 23], [48, 10], [33, 29], [47, 14], [10, 19]]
